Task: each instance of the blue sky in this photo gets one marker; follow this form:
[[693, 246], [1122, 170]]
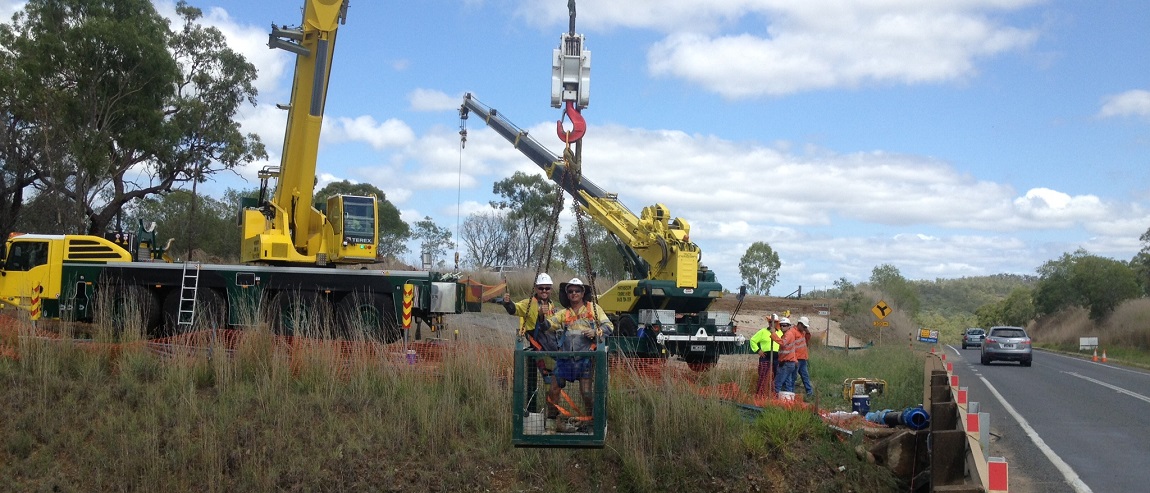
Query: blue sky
[[948, 138]]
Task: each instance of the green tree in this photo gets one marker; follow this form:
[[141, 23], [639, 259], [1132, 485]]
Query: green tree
[[853, 301], [487, 238], [760, 268], [433, 240], [1104, 284], [607, 262], [902, 293], [116, 106], [1055, 290], [529, 200], [393, 231], [208, 226], [1016, 309], [1081, 279], [1141, 263]]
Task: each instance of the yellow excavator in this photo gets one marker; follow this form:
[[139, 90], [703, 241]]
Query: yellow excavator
[[283, 227]]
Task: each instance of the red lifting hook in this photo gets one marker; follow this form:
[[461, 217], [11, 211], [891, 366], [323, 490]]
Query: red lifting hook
[[578, 125]]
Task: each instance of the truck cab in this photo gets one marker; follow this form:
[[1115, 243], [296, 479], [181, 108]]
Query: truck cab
[[31, 260]]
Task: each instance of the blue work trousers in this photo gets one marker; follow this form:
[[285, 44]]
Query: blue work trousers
[[800, 372], [785, 376]]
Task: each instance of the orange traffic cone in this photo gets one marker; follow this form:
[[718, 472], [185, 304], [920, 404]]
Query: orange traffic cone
[[1103, 355], [1095, 358]]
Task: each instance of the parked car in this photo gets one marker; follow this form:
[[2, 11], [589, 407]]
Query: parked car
[[972, 337], [1007, 344]]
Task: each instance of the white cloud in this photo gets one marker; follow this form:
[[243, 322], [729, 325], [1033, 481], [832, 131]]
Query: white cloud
[[389, 134], [432, 100], [1130, 103], [1053, 209], [833, 214], [808, 45], [8, 8]]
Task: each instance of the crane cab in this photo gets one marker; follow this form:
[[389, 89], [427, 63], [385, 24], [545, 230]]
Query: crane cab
[[355, 228]]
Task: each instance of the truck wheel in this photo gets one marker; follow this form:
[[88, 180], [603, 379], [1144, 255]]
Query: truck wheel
[[302, 314], [701, 363], [210, 311], [132, 308], [626, 326], [367, 315]]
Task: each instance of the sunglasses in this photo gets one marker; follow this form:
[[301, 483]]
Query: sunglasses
[[574, 291], [543, 288]]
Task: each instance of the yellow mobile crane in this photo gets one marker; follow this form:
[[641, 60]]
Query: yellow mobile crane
[[666, 304], [288, 229], [289, 245], [665, 307]]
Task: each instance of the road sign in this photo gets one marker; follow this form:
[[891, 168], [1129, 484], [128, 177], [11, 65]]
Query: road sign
[[881, 310], [927, 335], [824, 313], [881, 323]]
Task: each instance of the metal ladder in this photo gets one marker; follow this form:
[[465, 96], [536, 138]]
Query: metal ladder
[[188, 288]]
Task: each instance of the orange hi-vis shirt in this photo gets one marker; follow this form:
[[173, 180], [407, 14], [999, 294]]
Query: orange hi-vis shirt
[[801, 350], [789, 344]]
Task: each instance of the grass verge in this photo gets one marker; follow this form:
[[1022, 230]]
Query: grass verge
[[89, 417]]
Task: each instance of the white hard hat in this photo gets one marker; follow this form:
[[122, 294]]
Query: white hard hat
[[775, 317], [543, 280], [805, 321], [784, 321], [574, 282]]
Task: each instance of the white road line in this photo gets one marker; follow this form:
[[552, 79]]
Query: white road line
[[1104, 384], [1067, 472], [1085, 360]]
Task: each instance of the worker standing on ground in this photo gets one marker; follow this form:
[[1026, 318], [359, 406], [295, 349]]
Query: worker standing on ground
[[768, 351], [579, 327], [788, 359], [802, 352], [533, 313]]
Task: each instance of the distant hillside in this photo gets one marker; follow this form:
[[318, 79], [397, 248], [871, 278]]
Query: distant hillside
[[956, 297]]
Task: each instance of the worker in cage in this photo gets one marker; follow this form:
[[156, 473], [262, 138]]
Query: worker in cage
[[533, 313], [579, 327]]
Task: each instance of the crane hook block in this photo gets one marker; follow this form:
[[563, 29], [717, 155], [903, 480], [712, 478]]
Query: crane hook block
[[578, 124]]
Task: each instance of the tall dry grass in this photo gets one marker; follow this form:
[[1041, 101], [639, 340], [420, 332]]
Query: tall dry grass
[[1124, 334], [265, 415]]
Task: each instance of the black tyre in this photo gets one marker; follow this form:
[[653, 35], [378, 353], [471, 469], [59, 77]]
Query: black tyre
[[701, 363], [626, 326], [130, 308], [211, 312], [367, 315], [985, 360], [1026, 363], [302, 314]]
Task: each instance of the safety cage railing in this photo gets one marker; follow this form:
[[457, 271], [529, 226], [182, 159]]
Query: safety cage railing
[[550, 409]]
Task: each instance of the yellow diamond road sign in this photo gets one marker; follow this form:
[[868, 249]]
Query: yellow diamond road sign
[[881, 309]]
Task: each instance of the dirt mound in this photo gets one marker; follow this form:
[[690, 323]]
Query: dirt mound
[[797, 306]]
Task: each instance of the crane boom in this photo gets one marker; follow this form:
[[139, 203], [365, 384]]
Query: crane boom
[[289, 228], [314, 46], [659, 247]]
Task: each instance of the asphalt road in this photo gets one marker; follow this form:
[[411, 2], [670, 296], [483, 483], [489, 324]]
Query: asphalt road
[[1080, 426]]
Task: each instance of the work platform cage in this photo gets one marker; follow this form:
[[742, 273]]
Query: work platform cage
[[579, 420]]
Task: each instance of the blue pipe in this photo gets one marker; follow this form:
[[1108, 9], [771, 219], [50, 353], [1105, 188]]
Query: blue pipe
[[915, 418]]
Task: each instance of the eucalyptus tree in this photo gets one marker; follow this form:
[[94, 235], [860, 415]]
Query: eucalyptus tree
[[110, 104]]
